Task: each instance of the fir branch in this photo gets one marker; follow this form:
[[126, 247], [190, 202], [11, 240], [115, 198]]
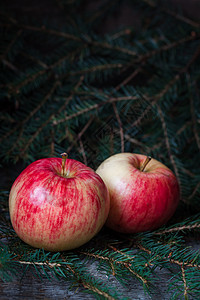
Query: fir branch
[[167, 258], [34, 59], [96, 68], [95, 106], [153, 100], [171, 156], [80, 134], [128, 79], [194, 191], [97, 291], [86, 284], [172, 13], [15, 89], [112, 47], [120, 126], [41, 29], [45, 263], [10, 45], [113, 261], [194, 121], [52, 146], [10, 65], [124, 32], [31, 114], [50, 118], [145, 282], [185, 283], [82, 151], [179, 228], [121, 252], [167, 47]]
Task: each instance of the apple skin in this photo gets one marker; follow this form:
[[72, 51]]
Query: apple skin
[[139, 200], [58, 213]]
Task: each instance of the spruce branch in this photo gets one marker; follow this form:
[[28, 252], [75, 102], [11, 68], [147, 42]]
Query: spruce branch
[[154, 100], [31, 114], [194, 121], [80, 134], [15, 89], [120, 126], [112, 47], [82, 151], [126, 264], [34, 59], [185, 283], [121, 252], [49, 119], [194, 191], [167, 141], [88, 284], [94, 107], [41, 29], [167, 258], [177, 16], [96, 68], [179, 228], [168, 47], [128, 79], [10, 45], [10, 65]]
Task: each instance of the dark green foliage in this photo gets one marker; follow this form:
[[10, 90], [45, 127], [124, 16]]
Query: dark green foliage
[[72, 87]]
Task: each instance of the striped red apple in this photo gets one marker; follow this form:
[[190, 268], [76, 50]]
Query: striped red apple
[[144, 193], [58, 204]]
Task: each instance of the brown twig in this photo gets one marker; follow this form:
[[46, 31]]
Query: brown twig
[[96, 290], [123, 263], [4, 55], [153, 100], [68, 99], [120, 126], [112, 47], [172, 13], [128, 79], [36, 60], [178, 228], [164, 126], [194, 191], [93, 107], [29, 142], [194, 122], [31, 114], [177, 262], [82, 151], [185, 283], [120, 252], [10, 65], [80, 134], [96, 68]]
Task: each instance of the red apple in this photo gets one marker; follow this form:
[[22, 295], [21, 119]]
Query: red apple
[[58, 204], [144, 193]]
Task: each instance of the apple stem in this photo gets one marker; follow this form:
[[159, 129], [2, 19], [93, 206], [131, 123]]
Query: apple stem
[[147, 160], [64, 158]]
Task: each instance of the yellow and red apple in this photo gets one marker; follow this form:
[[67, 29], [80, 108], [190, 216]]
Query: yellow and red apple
[[144, 193]]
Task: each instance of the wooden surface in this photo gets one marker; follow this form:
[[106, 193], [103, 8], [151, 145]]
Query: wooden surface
[[32, 287]]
